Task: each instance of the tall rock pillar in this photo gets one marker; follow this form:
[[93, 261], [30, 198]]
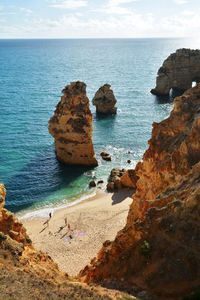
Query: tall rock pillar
[[71, 127]]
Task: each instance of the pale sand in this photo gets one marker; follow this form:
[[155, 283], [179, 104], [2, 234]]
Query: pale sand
[[97, 219]]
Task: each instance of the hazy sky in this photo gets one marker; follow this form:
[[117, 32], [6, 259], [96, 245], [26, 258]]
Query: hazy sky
[[99, 18]]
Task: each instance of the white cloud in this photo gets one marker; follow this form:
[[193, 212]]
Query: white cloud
[[181, 1], [27, 11], [115, 7], [187, 13], [7, 13], [118, 2], [70, 4], [117, 10]]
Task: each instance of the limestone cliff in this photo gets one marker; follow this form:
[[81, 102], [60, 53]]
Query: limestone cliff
[[158, 250], [129, 179], [104, 100], [71, 127], [178, 71]]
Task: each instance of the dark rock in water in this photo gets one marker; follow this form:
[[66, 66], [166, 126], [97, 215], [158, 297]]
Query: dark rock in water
[[100, 182], [178, 72], [128, 161], [92, 184], [106, 156], [104, 100]]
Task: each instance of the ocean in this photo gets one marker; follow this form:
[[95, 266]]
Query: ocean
[[32, 75]]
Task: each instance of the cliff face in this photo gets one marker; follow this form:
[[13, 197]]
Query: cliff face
[[23, 270], [71, 127], [158, 250], [129, 179], [178, 71], [9, 224], [104, 100]]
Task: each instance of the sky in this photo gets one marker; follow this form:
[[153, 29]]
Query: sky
[[99, 18]]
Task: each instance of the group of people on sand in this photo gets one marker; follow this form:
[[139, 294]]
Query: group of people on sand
[[69, 235], [66, 224]]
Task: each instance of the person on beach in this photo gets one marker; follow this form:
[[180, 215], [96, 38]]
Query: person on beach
[[69, 227], [47, 221], [65, 221]]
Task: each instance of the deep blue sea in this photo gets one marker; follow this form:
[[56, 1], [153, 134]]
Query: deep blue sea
[[32, 75]]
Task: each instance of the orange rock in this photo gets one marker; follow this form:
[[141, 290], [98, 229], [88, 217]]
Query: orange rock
[[178, 71], [129, 179], [105, 101], [71, 127], [158, 250]]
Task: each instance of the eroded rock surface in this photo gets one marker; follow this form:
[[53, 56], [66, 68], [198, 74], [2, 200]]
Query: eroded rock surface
[[129, 179], [178, 71], [120, 179], [71, 126], [158, 250], [114, 180], [104, 100]]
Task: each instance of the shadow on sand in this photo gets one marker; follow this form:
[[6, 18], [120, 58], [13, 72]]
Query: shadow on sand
[[121, 195]]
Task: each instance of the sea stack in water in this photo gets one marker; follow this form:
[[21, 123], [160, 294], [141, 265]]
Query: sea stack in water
[[71, 127], [105, 101], [178, 71]]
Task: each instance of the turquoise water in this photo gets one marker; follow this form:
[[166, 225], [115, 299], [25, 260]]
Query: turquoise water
[[32, 75]]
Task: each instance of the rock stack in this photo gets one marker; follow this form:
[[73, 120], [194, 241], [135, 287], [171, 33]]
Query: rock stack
[[105, 101], [178, 71], [71, 127]]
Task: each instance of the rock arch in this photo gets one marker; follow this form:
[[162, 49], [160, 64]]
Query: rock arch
[[178, 71]]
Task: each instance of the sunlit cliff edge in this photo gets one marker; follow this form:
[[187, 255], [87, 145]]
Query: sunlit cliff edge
[[158, 249]]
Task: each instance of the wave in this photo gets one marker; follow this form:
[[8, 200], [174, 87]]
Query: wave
[[44, 212]]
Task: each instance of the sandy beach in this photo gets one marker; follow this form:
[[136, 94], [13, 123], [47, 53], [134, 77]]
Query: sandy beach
[[92, 222]]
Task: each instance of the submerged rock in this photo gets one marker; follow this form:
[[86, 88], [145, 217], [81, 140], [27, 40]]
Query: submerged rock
[[178, 71], [104, 100], [71, 127], [92, 184]]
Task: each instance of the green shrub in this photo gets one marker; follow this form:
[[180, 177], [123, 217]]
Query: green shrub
[[194, 295], [145, 249], [3, 237]]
